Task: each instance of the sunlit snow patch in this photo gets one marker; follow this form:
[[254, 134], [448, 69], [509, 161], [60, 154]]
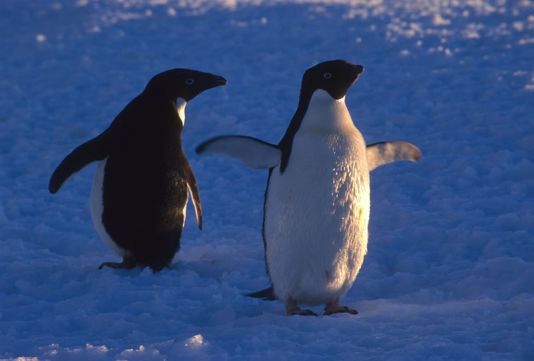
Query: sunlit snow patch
[[140, 353], [55, 350], [195, 341], [40, 38]]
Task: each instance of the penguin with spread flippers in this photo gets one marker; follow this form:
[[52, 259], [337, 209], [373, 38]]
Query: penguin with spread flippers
[[143, 179], [317, 201]]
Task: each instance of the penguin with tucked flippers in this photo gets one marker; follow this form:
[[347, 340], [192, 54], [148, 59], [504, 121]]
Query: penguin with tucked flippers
[[141, 186], [317, 201]]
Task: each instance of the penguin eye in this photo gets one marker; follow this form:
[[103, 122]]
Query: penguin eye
[[189, 81], [327, 75]]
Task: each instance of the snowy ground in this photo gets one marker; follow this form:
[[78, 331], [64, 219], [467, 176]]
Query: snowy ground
[[450, 268]]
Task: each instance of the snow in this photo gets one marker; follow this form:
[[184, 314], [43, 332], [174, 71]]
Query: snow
[[450, 268]]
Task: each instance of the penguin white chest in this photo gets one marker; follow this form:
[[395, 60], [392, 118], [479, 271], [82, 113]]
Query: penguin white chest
[[317, 211]]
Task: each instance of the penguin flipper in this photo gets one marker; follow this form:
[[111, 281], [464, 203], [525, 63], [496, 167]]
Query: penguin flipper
[[382, 153], [195, 195], [253, 152], [90, 151]]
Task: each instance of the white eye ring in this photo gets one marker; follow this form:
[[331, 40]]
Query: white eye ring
[[327, 75], [189, 81]]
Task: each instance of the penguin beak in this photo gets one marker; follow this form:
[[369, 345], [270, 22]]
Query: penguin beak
[[356, 71], [210, 82], [219, 80]]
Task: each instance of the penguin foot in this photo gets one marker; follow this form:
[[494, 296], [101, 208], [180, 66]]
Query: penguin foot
[[127, 263], [301, 312], [292, 308], [335, 307]]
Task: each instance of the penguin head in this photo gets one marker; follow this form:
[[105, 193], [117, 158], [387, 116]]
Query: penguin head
[[334, 76], [182, 83]]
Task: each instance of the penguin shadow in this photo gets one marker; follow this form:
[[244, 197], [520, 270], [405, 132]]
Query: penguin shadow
[[203, 261]]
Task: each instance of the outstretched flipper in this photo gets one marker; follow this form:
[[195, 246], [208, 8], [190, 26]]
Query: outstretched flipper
[[195, 195], [387, 152], [93, 150], [251, 151]]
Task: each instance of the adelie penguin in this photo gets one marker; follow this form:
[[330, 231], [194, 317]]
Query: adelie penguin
[[317, 201], [141, 186]]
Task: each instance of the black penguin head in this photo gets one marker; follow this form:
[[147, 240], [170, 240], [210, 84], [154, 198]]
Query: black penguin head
[[334, 76], [182, 83]]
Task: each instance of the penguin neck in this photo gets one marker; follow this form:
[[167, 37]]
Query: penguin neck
[[180, 108], [326, 114], [321, 101]]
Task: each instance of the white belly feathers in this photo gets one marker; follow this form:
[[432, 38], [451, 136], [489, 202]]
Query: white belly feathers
[[317, 211]]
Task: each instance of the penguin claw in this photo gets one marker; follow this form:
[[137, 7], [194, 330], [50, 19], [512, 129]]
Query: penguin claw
[[115, 265], [339, 309], [127, 263], [301, 312], [292, 308]]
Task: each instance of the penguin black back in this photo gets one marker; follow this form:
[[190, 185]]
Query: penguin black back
[[141, 187]]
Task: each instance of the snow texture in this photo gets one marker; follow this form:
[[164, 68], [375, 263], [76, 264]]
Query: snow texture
[[450, 268]]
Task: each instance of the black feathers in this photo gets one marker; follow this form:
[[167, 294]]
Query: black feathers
[[93, 150], [147, 176]]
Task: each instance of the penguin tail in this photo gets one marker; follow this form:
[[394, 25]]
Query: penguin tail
[[266, 294]]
